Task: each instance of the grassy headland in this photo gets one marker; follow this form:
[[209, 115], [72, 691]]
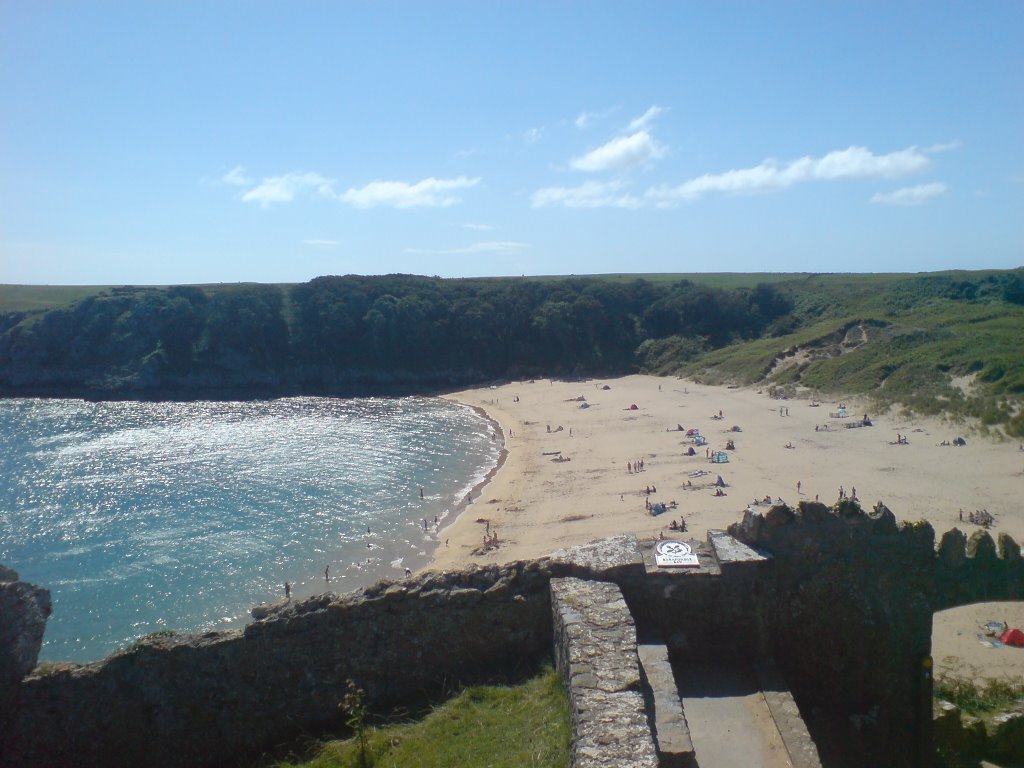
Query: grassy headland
[[947, 342]]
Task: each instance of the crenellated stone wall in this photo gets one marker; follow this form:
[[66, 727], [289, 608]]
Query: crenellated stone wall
[[850, 620], [841, 599], [977, 569]]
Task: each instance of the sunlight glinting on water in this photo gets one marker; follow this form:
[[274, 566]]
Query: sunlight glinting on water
[[146, 516]]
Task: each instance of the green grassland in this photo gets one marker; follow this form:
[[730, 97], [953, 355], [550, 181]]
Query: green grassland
[[521, 726], [940, 343]]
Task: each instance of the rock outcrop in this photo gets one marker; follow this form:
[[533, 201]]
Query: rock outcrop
[[24, 609]]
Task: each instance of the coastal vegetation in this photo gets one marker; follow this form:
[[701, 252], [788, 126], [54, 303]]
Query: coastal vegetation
[[938, 342], [499, 726]]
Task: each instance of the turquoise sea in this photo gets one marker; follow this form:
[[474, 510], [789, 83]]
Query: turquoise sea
[[141, 517]]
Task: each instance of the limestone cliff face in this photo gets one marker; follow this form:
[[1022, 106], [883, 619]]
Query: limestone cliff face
[[24, 609]]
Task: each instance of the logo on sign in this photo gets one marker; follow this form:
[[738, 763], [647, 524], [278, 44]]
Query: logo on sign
[[675, 554]]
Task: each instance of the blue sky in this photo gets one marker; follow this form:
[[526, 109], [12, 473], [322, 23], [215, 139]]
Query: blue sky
[[187, 142]]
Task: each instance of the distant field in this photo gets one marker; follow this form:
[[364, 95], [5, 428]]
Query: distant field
[[28, 298], [32, 298]]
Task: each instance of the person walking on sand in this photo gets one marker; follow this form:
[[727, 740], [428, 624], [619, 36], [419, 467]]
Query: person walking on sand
[[798, 487]]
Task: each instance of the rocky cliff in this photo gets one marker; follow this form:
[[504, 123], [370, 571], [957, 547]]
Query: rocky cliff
[[24, 609]]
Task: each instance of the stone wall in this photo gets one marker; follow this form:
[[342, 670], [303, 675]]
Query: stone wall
[[977, 569], [851, 617], [596, 654], [212, 699], [842, 600]]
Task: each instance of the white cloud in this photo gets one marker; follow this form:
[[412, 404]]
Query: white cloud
[[850, 163], [533, 135], [584, 119], [236, 177], [918, 195], [321, 243], [428, 193], [478, 227], [590, 194], [283, 189], [947, 146], [497, 247], [620, 153], [640, 123]]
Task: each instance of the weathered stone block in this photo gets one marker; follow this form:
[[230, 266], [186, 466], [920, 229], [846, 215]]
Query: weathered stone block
[[982, 549]]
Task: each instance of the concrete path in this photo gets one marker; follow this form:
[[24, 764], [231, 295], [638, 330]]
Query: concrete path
[[729, 719]]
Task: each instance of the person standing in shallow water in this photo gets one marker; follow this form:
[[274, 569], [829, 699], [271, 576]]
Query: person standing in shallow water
[[287, 591], [327, 573]]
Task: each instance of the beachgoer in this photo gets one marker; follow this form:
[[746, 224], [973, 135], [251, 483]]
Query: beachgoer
[[287, 591], [446, 542], [408, 572], [853, 492], [435, 519], [327, 573], [421, 491], [798, 486]]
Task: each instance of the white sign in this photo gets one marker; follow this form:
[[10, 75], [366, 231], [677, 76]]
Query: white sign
[[675, 554]]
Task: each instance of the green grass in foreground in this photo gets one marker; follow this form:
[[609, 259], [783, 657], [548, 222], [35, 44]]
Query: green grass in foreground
[[522, 726], [977, 698]]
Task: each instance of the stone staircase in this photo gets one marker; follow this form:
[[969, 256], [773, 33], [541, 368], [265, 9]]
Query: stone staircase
[[626, 704]]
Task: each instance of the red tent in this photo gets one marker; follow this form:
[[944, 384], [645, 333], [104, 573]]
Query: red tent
[[1012, 637]]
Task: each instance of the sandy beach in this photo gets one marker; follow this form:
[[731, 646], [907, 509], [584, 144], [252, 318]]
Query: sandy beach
[[568, 478]]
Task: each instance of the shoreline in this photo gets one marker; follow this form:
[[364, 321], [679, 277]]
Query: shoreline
[[314, 583]]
